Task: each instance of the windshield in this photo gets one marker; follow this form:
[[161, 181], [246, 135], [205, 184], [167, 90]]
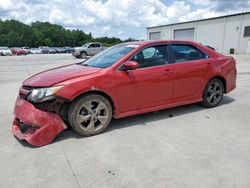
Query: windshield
[[4, 48], [108, 57], [85, 45]]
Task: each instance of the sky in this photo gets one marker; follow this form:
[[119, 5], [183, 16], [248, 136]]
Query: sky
[[118, 18]]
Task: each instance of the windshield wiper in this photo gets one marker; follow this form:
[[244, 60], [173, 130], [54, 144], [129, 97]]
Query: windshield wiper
[[82, 63]]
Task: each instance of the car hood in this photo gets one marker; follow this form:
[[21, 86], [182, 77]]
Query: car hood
[[60, 74]]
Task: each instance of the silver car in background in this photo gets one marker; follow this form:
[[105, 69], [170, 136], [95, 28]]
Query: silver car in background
[[4, 51], [88, 49]]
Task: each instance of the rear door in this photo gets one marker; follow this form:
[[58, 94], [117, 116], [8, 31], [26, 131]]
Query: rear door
[[191, 70]]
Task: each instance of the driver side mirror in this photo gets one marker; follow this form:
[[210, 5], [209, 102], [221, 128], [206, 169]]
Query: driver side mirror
[[130, 65]]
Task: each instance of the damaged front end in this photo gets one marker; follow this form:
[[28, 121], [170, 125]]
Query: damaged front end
[[37, 122]]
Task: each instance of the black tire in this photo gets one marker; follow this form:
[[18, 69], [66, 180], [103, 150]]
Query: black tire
[[83, 55], [84, 116], [213, 93]]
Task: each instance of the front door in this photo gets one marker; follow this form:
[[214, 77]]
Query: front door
[[149, 85]]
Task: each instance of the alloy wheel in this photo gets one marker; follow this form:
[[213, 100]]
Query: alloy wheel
[[92, 115], [214, 93]]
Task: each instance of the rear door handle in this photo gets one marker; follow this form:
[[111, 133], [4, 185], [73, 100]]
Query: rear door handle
[[168, 70]]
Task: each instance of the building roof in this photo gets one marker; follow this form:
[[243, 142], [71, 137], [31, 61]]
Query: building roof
[[242, 13]]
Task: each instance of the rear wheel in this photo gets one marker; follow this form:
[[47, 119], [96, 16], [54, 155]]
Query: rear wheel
[[213, 93], [90, 114]]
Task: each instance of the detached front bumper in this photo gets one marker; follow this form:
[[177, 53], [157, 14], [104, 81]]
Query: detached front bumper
[[37, 127]]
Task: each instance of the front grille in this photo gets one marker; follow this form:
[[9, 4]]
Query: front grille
[[22, 96]]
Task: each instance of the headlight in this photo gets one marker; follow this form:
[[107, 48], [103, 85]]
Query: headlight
[[43, 94]]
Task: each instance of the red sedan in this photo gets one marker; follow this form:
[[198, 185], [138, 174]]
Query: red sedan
[[18, 51], [124, 80]]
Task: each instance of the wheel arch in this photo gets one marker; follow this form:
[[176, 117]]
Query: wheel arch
[[98, 92], [84, 52], [222, 79]]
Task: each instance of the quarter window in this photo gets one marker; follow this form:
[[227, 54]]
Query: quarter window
[[185, 52], [151, 56]]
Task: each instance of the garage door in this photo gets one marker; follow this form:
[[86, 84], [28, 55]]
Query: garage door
[[155, 36], [184, 34]]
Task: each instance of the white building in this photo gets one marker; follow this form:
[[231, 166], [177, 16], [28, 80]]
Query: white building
[[225, 33]]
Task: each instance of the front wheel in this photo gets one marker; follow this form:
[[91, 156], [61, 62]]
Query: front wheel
[[90, 114], [213, 93], [83, 55]]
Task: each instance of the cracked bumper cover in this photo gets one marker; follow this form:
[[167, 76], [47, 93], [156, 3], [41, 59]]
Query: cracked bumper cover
[[41, 127]]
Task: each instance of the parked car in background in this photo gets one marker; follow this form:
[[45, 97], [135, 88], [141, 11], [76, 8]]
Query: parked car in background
[[42, 47], [4, 51], [35, 51], [48, 50], [27, 49], [67, 49], [124, 80], [59, 50], [18, 51], [88, 49]]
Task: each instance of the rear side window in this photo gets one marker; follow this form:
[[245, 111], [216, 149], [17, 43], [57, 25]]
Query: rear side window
[[97, 45], [186, 52]]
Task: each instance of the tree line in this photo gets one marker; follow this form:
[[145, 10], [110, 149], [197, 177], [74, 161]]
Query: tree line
[[14, 33]]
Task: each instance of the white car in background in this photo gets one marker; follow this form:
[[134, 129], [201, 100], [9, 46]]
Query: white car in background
[[4, 50], [27, 49], [36, 51]]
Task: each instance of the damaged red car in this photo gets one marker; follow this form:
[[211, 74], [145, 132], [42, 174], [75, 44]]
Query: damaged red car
[[124, 80]]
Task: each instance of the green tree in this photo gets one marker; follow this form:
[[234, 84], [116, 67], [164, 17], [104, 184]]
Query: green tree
[[15, 33]]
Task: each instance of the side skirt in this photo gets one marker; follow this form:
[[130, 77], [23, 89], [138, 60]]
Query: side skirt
[[155, 108]]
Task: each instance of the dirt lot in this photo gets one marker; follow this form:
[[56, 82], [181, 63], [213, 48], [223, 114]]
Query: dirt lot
[[197, 147]]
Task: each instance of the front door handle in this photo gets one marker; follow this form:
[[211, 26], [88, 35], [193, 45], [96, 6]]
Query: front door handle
[[167, 71]]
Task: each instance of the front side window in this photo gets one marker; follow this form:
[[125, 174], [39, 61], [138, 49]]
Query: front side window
[[92, 45], [151, 56], [186, 52]]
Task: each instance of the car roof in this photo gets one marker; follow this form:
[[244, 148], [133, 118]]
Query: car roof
[[148, 42], [207, 50]]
